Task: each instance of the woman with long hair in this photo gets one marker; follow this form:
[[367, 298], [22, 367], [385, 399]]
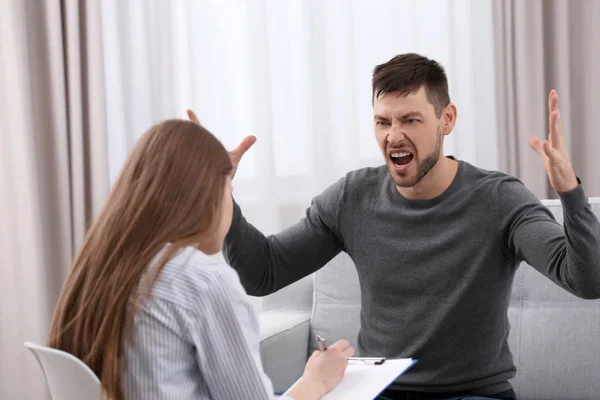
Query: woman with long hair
[[150, 304]]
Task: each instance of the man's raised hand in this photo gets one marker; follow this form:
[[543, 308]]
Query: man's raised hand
[[236, 154], [553, 151]]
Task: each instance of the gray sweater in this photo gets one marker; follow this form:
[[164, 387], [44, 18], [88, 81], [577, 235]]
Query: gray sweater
[[436, 275]]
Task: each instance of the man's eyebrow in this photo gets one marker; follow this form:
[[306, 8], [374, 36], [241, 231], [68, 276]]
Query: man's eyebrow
[[410, 114]]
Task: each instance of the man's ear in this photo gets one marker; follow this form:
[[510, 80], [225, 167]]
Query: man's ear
[[449, 118]]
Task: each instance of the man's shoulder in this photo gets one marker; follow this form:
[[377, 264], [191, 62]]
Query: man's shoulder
[[356, 181], [490, 179], [498, 187], [367, 174], [366, 178], [349, 190], [365, 184]]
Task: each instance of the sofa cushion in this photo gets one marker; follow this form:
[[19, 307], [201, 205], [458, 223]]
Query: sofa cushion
[[336, 302], [554, 335], [283, 344]]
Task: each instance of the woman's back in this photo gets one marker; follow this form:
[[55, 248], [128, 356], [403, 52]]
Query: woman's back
[[172, 323], [196, 336]]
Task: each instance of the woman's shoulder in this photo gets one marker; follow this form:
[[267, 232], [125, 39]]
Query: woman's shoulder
[[191, 277]]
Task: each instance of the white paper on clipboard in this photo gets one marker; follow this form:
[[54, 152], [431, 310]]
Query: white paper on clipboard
[[366, 381]]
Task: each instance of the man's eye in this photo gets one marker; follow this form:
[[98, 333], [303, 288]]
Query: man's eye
[[382, 123], [412, 121]]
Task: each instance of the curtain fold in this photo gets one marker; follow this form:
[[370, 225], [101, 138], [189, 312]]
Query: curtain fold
[[53, 167], [542, 45]]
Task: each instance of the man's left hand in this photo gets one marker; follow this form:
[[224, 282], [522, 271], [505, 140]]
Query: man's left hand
[[553, 151]]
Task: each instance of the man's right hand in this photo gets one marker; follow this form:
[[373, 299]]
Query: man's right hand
[[236, 154]]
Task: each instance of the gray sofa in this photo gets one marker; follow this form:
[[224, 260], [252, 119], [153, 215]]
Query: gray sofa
[[555, 336]]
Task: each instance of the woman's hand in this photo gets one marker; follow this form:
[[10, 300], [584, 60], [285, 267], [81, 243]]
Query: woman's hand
[[326, 368], [323, 372]]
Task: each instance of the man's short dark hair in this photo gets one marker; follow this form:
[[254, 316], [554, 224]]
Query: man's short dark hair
[[407, 73]]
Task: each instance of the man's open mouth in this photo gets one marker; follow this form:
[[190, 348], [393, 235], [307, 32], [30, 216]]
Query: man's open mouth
[[401, 158]]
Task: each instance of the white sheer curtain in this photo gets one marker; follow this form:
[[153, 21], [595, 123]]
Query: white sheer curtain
[[297, 74]]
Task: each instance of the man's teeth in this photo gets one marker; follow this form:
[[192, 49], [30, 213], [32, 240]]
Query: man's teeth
[[403, 154]]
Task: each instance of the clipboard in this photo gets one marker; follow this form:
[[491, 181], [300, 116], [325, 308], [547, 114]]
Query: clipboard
[[366, 377], [367, 381]]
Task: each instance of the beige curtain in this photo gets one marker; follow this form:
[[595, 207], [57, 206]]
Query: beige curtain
[[53, 172], [542, 45]]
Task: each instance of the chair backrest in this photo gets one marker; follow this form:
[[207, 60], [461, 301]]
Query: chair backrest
[[554, 335], [68, 377]]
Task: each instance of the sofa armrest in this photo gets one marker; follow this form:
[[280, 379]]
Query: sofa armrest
[[284, 338]]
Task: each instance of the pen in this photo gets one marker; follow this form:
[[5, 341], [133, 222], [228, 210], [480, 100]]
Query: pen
[[321, 342], [367, 360]]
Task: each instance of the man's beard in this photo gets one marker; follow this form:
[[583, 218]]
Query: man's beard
[[424, 166]]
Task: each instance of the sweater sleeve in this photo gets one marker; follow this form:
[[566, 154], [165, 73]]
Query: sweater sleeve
[[267, 264], [569, 254]]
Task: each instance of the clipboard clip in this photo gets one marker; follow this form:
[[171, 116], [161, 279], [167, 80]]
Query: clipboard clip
[[367, 360]]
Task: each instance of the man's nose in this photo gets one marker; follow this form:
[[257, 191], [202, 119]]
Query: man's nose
[[396, 134]]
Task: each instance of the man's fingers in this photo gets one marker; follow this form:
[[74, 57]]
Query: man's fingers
[[237, 153], [552, 101], [547, 149], [543, 148], [555, 134], [536, 144], [246, 143], [192, 116], [552, 105]]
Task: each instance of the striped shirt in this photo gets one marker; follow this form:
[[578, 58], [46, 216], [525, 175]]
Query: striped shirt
[[197, 337]]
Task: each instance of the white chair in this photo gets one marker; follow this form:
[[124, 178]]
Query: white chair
[[68, 377]]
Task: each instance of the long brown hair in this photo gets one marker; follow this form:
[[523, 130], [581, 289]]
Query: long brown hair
[[169, 191]]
